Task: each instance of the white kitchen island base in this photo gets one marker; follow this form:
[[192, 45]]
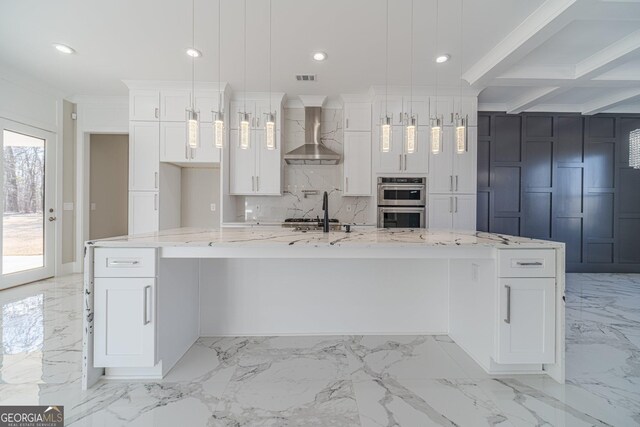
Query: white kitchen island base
[[148, 298]]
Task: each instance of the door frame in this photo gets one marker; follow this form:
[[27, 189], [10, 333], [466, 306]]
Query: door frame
[[52, 232]]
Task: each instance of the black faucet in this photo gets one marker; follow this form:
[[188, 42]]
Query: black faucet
[[325, 208]]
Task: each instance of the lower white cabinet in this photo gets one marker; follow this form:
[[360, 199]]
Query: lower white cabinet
[[125, 325], [357, 164], [526, 330], [452, 211], [143, 212]]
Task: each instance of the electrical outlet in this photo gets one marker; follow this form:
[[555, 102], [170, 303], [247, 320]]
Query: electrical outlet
[[349, 208], [213, 207]]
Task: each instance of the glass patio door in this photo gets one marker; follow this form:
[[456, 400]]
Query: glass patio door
[[27, 229]]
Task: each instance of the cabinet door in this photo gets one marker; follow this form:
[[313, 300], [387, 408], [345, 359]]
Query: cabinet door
[[440, 211], [465, 165], [469, 108], [418, 162], [268, 165], [237, 107], [173, 142], [464, 212], [262, 108], [391, 161], [357, 164], [144, 105], [419, 107], [242, 165], [207, 103], [143, 212], [125, 322], [207, 153], [357, 116], [174, 104], [393, 106], [144, 155], [526, 330], [440, 165], [442, 106]]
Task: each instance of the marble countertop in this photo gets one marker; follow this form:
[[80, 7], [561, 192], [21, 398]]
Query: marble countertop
[[283, 237]]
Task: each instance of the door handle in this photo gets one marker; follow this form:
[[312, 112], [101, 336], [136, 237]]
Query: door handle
[[115, 262], [529, 264], [456, 182], [507, 319], [347, 123], [405, 162], [253, 183], [346, 184], [257, 183], [157, 112], [155, 177], [400, 157], [450, 182], [52, 218], [146, 319], [450, 204], [155, 202], [456, 209]]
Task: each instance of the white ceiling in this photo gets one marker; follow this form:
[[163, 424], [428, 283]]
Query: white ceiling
[[577, 55]]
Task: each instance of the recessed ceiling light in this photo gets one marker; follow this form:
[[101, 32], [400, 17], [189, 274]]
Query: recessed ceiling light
[[319, 56], [194, 53], [64, 48], [442, 58]]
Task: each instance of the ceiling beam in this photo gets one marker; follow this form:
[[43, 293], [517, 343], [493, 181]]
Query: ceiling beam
[[548, 19], [610, 100], [533, 97], [609, 57]]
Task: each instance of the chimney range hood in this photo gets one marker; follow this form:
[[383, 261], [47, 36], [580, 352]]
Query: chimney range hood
[[312, 152]]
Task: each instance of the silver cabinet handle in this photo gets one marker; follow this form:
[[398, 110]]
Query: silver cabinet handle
[[155, 202], [400, 157], [450, 182], [451, 121], [346, 184], [456, 182], [157, 113], [155, 177], [115, 262], [456, 209], [257, 183], [531, 263], [405, 162], [146, 319], [347, 123], [450, 204], [253, 183], [508, 318]]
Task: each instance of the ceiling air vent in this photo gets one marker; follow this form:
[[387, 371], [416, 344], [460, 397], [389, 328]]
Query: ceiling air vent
[[306, 77]]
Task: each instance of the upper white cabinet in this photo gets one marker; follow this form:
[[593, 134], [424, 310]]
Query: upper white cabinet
[[357, 164], [448, 106], [144, 105], [257, 111], [397, 160], [443, 106], [357, 117], [401, 108], [173, 144], [206, 103], [526, 321], [144, 149], [174, 104], [453, 172], [469, 108], [255, 170]]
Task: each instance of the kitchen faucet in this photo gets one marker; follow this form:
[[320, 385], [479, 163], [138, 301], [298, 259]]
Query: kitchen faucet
[[325, 208]]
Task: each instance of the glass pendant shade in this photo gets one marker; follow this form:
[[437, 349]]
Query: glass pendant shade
[[436, 136], [270, 131], [411, 135], [218, 129], [634, 149], [193, 129], [244, 135], [461, 135], [385, 134]]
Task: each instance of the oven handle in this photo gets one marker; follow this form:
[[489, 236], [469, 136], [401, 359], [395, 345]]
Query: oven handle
[[402, 209], [402, 187]]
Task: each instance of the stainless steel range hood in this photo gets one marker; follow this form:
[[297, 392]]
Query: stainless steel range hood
[[312, 152]]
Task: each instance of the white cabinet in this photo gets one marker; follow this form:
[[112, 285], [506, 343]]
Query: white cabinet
[[125, 325], [526, 331], [452, 211], [173, 144], [255, 170], [144, 153], [401, 108], [206, 103], [174, 104], [144, 105], [418, 107], [357, 117], [357, 164], [443, 106], [143, 212], [397, 160], [451, 171], [257, 111], [469, 107]]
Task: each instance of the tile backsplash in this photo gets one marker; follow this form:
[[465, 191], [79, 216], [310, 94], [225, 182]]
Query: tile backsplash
[[301, 178]]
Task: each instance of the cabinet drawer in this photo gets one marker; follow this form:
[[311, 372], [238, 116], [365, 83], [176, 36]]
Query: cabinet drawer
[[125, 262], [527, 263]]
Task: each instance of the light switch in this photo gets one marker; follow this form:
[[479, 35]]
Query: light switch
[[213, 207]]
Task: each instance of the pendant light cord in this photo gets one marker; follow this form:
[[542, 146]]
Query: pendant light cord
[[411, 66], [269, 59], [461, 47], [244, 78], [386, 72], [437, 19], [193, 58], [219, 58]]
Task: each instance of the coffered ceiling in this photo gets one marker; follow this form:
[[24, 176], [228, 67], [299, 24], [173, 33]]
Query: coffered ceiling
[[520, 55]]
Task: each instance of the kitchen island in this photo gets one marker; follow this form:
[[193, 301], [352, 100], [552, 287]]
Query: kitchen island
[[149, 297]]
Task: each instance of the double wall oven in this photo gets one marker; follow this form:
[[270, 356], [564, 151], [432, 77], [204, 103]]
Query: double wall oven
[[402, 202]]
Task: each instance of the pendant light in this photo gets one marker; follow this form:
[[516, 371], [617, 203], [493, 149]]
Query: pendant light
[[193, 125], [461, 121], [270, 122], [244, 134], [218, 116], [385, 122], [634, 149], [412, 128], [436, 121]]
